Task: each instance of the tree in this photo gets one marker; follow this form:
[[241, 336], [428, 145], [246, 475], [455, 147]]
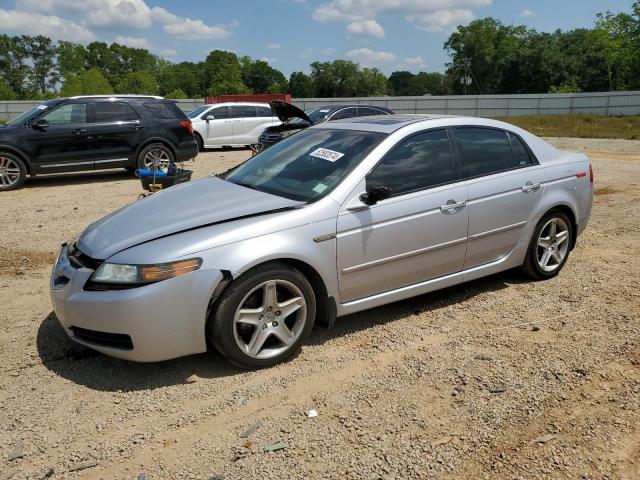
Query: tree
[[260, 77], [223, 74], [14, 68], [91, 82], [43, 55], [140, 82], [6, 93], [186, 76], [71, 57], [176, 94], [300, 85], [371, 82]]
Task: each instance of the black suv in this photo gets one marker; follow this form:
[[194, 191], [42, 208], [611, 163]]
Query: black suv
[[94, 132]]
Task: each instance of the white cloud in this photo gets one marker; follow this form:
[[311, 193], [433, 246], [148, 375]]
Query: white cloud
[[168, 52], [369, 57], [187, 28], [526, 13], [133, 42], [327, 51], [366, 27], [274, 46], [95, 13], [32, 23], [415, 62], [442, 20], [352, 10], [269, 59]]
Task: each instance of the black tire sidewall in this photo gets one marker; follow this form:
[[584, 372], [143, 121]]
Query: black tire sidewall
[[23, 172], [153, 146], [200, 142], [532, 253], [221, 326]]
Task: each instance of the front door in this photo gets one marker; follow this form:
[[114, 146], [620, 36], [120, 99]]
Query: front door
[[116, 132], [219, 130], [418, 234], [65, 143], [504, 190]]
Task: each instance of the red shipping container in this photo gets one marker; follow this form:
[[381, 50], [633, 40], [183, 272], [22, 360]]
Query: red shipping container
[[257, 97]]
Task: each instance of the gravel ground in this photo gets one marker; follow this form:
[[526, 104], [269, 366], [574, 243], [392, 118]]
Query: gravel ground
[[501, 378]]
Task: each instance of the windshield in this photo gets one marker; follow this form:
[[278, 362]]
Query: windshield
[[31, 114], [307, 165], [198, 111], [316, 115]]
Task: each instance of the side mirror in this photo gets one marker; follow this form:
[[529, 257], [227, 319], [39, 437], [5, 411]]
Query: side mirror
[[374, 194], [209, 118], [40, 124]]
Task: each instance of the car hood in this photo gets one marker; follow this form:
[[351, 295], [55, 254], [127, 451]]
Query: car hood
[[180, 208], [284, 111]]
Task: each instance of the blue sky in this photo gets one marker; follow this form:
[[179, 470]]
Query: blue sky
[[388, 34]]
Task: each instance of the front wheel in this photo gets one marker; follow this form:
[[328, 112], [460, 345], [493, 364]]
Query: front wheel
[[549, 247], [13, 172], [264, 317]]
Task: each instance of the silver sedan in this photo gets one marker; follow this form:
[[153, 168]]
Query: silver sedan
[[336, 219]]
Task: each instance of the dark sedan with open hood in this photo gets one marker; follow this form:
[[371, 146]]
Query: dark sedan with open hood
[[294, 119]]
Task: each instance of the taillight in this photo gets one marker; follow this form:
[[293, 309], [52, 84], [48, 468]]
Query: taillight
[[591, 174], [187, 124]]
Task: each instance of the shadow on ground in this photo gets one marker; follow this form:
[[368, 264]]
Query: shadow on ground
[[97, 371]]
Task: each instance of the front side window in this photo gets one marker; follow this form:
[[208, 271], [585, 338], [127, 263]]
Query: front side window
[[242, 111], [416, 163], [114, 112], [264, 112], [307, 165], [218, 113], [69, 113], [198, 111], [485, 151]]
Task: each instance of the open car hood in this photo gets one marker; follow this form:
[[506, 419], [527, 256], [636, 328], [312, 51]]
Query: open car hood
[[177, 209], [284, 111]]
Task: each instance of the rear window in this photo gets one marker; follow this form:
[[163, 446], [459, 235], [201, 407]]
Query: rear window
[[114, 112], [264, 112], [165, 110]]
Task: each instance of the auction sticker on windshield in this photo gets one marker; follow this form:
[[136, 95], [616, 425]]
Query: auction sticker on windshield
[[326, 154]]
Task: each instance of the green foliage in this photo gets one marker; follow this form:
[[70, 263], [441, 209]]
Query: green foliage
[[223, 74], [176, 94], [91, 82], [423, 83], [139, 82], [6, 93], [300, 85]]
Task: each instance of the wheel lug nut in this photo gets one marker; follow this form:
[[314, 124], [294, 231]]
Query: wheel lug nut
[[278, 313], [264, 327], [260, 317], [269, 309], [275, 324]]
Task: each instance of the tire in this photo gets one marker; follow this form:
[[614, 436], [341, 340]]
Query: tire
[[13, 172], [158, 151], [200, 142], [265, 321], [549, 245]]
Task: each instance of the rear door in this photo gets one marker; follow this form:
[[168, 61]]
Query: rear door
[[243, 119], [65, 144], [117, 131], [503, 183], [218, 130], [348, 112]]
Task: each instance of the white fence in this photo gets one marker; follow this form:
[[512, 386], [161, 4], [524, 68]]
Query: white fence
[[606, 103]]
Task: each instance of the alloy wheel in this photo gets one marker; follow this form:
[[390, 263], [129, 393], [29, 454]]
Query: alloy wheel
[[553, 245], [270, 319], [157, 157], [9, 172]]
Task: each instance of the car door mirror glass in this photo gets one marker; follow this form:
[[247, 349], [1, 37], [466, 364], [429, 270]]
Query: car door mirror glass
[[40, 124], [209, 118], [375, 193]]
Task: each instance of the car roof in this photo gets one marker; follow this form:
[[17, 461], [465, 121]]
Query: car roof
[[381, 123], [229, 104], [155, 97], [341, 106]]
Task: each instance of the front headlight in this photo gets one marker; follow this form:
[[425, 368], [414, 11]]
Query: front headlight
[[135, 275]]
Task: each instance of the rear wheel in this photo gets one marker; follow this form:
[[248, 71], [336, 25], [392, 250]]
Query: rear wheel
[[264, 317], [200, 142], [156, 154], [13, 172], [549, 247]]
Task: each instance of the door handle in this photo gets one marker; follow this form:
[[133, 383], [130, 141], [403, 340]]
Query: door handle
[[81, 131], [530, 187], [137, 127], [452, 206]]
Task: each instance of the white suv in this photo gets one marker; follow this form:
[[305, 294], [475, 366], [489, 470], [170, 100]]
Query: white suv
[[231, 124]]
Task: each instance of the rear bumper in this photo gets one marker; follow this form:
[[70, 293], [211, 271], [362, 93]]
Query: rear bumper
[[155, 322], [187, 150]]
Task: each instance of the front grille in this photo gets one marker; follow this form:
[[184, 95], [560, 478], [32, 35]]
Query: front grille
[[104, 339], [80, 260], [267, 137]]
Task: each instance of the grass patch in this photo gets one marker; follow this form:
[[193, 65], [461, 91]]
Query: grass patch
[[580, 126]]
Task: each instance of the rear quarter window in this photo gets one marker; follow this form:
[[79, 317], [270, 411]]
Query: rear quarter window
[[165, 110]]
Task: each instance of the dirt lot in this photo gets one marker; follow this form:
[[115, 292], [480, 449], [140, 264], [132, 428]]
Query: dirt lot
[[500, 378]]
